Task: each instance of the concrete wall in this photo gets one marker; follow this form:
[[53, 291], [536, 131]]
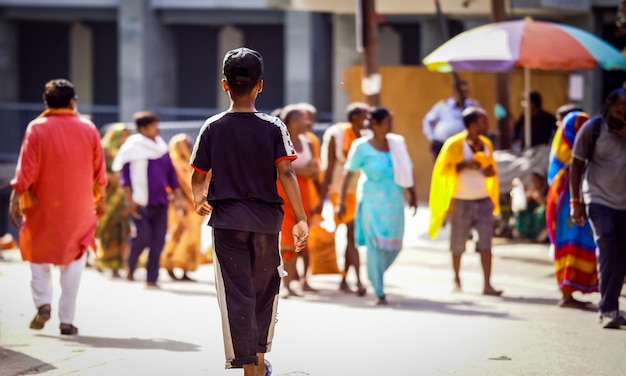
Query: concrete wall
[[146, 60]]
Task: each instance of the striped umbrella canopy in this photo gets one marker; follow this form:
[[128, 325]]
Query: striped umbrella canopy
[[524, 43]]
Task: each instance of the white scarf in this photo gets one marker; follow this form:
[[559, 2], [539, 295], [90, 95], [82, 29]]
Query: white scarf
[[401, 160], [137, 150]]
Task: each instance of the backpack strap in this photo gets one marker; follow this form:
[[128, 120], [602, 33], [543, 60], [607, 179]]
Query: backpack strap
[[595, 134]]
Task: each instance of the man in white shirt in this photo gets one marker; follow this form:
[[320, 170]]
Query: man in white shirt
[[444, 119]]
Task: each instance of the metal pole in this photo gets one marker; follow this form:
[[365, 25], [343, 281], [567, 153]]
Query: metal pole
[[527, 124], [443, 24], [502, 90], [371, 81]]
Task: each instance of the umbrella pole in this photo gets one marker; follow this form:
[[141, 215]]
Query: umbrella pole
[[527, 115]]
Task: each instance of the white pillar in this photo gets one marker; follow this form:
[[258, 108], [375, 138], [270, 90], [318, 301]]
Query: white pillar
[[229, 37], [147, 60], [298, 57]]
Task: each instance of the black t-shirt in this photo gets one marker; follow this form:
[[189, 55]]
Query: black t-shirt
[[242, 150], [542, 128]]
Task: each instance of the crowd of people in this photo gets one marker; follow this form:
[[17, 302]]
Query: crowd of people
[[576, 202], [260, 179]]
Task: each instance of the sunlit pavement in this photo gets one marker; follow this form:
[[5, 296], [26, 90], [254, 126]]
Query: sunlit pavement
[[426, 329]]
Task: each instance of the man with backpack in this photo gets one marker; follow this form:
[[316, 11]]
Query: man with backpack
[[598, 172]]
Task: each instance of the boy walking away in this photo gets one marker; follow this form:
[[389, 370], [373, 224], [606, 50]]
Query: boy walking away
[[246, 151]]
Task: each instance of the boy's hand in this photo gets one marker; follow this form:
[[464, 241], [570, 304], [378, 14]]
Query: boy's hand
[[203, 208], [300, 234]]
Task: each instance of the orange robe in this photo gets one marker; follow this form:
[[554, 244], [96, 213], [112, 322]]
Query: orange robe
[[61, 164], [314, 197]]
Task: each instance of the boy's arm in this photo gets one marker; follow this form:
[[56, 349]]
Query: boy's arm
[[287, 178], [198, 184]]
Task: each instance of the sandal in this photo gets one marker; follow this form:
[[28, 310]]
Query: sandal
[[43, 315], [68, 329], [361, 290]]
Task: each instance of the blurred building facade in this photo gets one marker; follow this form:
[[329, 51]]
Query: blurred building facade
[[165, 55]]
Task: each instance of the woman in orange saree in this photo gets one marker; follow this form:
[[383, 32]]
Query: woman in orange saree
[[182, 248]]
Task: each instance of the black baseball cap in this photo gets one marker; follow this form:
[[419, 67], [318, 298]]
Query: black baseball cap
[[243, 65]]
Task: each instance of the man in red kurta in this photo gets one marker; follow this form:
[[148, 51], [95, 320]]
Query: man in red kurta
[[58, 191]]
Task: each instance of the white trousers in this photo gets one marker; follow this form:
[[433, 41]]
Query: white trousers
[[41, 286]]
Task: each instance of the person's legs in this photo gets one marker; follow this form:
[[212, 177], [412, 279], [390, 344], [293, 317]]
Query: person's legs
[[352, 259], [236, 295], [41, 288], [70, 281], [620, 224], [375, 268], [456, 268], [305, 274], [41, 283], [158, 222], [266, 280], [460, 219], [289, 263], [484, 227], [139, 242], [610, 272]]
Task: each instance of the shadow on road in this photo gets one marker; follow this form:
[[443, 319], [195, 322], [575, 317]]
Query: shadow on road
[[208, 292], [524, 300], [410, 303], [12, 363], [129, 343], [528, 260]]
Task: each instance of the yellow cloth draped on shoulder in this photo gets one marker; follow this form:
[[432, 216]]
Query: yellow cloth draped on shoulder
[[445, 179]]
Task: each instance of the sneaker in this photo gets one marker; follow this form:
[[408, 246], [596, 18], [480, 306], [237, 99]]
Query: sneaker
[[612, 320]]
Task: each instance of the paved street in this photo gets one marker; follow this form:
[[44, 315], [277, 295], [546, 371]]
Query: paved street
[[426, 330]]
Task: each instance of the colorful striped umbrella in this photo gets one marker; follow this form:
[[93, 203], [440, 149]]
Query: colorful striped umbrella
[[524, 43]]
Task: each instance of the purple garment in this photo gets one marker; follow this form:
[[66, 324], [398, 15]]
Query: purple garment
[[161, 175]]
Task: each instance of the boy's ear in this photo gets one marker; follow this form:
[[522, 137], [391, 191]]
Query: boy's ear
[[225, 85], [259, 86]]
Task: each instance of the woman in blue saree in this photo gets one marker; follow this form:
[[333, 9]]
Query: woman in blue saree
[[386, 170]]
